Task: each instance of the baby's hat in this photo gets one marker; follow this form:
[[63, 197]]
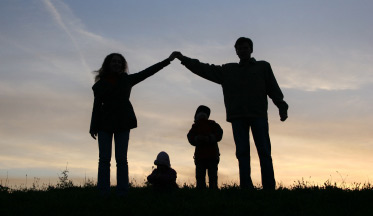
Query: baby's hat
[[204, 109], [162, 159]]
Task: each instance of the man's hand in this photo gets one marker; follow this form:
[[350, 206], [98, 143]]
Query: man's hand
[[283, 116], [93, 134]]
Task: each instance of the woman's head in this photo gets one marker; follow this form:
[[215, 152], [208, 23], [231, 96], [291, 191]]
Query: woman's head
[[113, 63]]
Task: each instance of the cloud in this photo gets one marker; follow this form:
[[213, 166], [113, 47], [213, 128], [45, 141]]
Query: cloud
[[313, 68], [56, 15]]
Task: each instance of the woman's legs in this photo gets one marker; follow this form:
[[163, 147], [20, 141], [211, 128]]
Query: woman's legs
[[121, 149], [104, 146]]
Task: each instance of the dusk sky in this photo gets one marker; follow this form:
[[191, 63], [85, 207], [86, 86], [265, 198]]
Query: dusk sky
[[321, 53]]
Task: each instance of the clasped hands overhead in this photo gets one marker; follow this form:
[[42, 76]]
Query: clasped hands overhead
[[175, 54]]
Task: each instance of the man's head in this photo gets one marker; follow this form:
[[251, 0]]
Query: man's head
[[244, 48]]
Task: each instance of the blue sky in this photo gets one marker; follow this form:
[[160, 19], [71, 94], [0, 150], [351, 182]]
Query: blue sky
[[320, 51]]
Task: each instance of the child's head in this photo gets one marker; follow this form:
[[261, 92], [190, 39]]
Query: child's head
[[162, 159], [202, 112]]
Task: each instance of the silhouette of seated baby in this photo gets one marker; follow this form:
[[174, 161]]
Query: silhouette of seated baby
[[163, 177]]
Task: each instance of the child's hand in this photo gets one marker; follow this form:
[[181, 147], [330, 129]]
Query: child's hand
[[212, 138], [203, 139]]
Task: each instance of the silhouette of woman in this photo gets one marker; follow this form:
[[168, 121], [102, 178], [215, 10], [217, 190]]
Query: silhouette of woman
[[113, 114]]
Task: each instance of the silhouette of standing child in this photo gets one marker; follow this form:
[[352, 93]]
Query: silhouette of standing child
[[205, 135], [163, 177]]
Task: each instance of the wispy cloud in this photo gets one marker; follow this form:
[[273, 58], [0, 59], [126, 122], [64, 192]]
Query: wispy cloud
[[57, 17], [314, 67]]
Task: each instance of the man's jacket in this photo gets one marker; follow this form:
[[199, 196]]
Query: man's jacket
[[246, 86]]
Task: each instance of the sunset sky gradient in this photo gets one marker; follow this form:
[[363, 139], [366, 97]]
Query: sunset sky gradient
[[321, 53]]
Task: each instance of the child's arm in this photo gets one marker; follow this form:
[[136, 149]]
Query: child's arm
[[192, 136], [153, 177], [195, 139], [217, 134]]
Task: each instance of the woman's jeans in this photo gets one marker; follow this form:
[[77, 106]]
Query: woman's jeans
[[121, 147], [260, 131]]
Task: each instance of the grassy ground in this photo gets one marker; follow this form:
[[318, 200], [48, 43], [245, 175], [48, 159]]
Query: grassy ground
[[301, 199]]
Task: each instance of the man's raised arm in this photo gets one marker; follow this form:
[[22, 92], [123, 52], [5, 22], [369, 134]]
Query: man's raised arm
[[212, 72]]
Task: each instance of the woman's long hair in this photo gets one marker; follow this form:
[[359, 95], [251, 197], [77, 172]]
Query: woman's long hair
[[105, 68]]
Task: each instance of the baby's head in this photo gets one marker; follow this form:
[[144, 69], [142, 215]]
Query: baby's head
[[162, 159], [202, 112]]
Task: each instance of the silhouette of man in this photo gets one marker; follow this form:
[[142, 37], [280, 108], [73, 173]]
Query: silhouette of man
[[246, 86]]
